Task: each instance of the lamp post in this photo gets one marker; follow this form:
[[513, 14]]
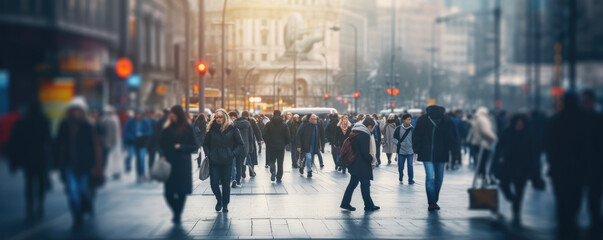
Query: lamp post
[[324, 55], [223, 47], [228, 70], [245, 85], [274, 85], [355, 62]]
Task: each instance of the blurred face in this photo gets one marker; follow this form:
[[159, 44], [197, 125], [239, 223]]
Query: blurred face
[[77, 113], [313, 119], [158, 114], [519, 125], [296, 118], [407, 122], [173, 117], [344, 122], [219, 118], [390, 117], [370, 128], [138, 116], [232, 118]]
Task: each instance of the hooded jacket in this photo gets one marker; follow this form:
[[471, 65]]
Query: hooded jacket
[[276, 134], [361, 167], [246, 134], [434, 138]]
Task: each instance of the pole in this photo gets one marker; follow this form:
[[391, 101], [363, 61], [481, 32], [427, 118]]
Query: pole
[[187, 83], [528, 52], [355, 68], [431, 59], [572, 44], [497, 13], [536, 56], [222, 53], [201, 56], [326, 77], [393, 52], [274, 85]]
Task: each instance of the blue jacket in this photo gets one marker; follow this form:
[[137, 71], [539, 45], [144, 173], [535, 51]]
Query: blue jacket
[[131, 126]]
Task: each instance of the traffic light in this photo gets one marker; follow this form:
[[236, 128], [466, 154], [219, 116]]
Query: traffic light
[[124, 67], [326, 96], [201, 68], [356, 94], [393, 104]]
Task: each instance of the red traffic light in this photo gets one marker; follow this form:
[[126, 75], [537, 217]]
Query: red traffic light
[[345, 101], [356, 94], [393, 92], [326, 96], [396, 91], [393, 104], [124, 67], [557, 91], [201, 67], [389, 91]]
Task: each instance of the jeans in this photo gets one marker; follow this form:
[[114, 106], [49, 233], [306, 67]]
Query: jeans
[[434, 176], [77, 192], [294, 156], [335, 153], [277, 157], [140, 153], [401, 159], [152, 151], [220, 175], [365, 189], [378, 152], [320, 158], [309, 160]]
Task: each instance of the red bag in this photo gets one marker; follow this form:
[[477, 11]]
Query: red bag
[[347, 153]]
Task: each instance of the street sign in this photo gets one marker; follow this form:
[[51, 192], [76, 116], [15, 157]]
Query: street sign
[[339, 98], [161, 89], [134, 81]]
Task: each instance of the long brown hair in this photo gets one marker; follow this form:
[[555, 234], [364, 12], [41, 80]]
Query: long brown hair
[[182, 120]]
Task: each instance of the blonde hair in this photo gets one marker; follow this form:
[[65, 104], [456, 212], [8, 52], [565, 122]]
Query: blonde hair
[[226, 123]]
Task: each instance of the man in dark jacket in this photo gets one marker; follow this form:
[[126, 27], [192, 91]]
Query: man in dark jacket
[[276, 134], [594, 181], [136, 135], [293, 125], [309, 141], [434, 141], [247, 135], [252, 159], [330, 134], [361, 169]]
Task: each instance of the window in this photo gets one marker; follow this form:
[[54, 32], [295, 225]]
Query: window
[[264, 57], [264, 38]]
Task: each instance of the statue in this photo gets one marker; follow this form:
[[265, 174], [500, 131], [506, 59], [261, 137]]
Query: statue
[[296, 43]]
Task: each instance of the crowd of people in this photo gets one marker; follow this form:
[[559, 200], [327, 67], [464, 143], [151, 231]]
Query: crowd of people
[[504, 150]]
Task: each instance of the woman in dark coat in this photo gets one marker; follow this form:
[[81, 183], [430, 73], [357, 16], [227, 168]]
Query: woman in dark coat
[[200, 127], [342, 131], [515, 148], [177, 143], [361, 169], [222, 144]]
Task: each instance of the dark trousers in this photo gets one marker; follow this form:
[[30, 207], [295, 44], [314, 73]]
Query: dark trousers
[[152, 150], [239, 169], [595, 192], [220, 175], [568, 197], [276, 158], [35, 189], [365, 189], [515, 195], [378, 152], [176, 202], [320, 158], [294, 156], [335, 155]]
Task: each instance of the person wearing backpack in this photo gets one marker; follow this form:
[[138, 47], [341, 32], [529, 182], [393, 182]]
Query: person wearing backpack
[[355, 152], [434, 140], [403, 140], [342, 132]]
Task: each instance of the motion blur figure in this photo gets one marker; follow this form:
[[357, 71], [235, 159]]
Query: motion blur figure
[[594, 181], [136, 135], [29, 149], [111, 142]]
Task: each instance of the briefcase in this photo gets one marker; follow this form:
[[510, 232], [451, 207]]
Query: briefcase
[[483, 199]]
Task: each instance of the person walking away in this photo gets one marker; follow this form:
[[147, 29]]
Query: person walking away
[[200, 129], [153, 142], [361, 169], [309, 142], [389, 147], [342, 132], [28, 148], [276, 134], [177, 143], [111, 142], [76, 158], [434, 140], [594, 181], [222, 144], [293, 125], [330, 131], [321, 128], [403, 140], [377, 135], [515, 149], [252, 159], [247, 135], [483, 138], [456, 118], [136, 134]]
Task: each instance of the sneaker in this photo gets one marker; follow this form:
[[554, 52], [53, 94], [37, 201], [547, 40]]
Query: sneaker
[[252, 173], [437, 207], [348, 207], [272, 177], [322, 165], [373, 208], [309, 174], [279, 181], [411, 182], [234, 184]]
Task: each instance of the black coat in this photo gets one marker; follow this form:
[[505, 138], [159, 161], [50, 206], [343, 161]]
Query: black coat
[[180, 180], [340, 136], [440, 143], [361, 167], [276, 134], [330, 130], [29, 144], [75, 147], [257, 132], [223, 147], [567, 145], [246, 134], [515, 147], [293, 127], [200, 128], [304, 137]]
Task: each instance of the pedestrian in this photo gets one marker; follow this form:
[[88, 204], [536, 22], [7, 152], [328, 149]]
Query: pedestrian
[[112, 142], [155, 117], [389, 147], [28, 148], [293, 125], [361, 168], [246, 132], [482, 140], [515, 149], [342, 132], [321, 129], [403, 140], [222, 144], [594, 180], [177, 143], [200, 129], [309, 141], [136, 135], [433, 140], [330, 131], [457, 120], [76, 158], [276, 134], [377, 135], [252, 159]]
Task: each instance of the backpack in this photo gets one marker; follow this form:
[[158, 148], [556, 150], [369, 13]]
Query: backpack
[[347, 153]]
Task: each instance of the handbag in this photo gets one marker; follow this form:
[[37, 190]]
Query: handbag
[[482, 198], [204, 169], [161, 170]]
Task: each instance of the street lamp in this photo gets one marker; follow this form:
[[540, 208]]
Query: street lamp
[[324, 55], [223, 47], [228, 71], [245, 84], [335, 28], [274, 85]]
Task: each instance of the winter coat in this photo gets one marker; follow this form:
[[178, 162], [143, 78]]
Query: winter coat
[[257, 131], [304, 137], [293, 127], [130, 131], [29, 144], [377, 133], [200, 129], [112, 128], [246, 134], [361, 166], [331, 129], [155, 138], [515, 149], [75, 147], [388, 134], [276, 134], [340, 136], [482, 130], [433, 143], [223, 147], [180, 180]]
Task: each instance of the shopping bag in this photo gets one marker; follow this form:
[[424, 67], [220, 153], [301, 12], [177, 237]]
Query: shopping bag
[[483, 199], [161, 170]]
